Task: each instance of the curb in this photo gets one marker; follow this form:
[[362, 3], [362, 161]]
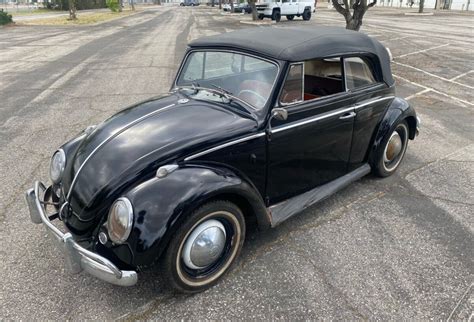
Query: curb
[[258, 22], [418, 14]]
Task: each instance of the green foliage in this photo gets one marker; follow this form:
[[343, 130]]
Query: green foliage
[[5, 18], [113, 5], [80, 4]]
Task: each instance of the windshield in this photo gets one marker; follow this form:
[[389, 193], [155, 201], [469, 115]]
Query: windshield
[[247, 78]]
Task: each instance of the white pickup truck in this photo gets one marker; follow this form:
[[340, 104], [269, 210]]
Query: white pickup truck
[[274, 9]]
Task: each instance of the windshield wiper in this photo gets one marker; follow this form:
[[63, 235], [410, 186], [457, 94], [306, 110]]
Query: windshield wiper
[[222, 89]]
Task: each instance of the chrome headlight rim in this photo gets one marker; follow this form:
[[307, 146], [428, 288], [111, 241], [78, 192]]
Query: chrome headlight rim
[[128, 205], [62, 155]]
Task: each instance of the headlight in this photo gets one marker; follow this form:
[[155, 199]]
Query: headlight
[[56, 168], [119, 223]]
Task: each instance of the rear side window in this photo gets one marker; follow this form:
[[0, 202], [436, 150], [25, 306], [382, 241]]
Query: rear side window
[[358, 73]]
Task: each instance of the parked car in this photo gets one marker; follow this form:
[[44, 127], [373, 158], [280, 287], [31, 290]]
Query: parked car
[[243, 8], [227, 7], [191, 3], [275, 9], [253, 130]]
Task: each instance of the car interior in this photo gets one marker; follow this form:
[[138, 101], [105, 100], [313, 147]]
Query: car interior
[[322, 77]]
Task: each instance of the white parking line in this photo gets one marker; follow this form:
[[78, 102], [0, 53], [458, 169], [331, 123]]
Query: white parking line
[[462, 75], [398, 38], [426, 90], [433, 75], [422, 51], [429, 89]]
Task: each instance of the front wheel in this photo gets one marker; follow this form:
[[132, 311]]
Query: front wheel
[[276, 16], [306, 15], [391, 151], [203, 249], [260, 17]]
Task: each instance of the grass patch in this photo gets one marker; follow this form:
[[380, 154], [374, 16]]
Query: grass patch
[[86, 18], [31, 12]]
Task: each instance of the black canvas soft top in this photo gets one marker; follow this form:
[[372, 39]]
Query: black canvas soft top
[[301, 43]]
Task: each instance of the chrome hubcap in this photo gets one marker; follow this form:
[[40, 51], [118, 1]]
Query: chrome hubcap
[[205, 245], [393, 148]]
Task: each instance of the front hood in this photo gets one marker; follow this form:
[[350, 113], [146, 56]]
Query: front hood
[[131, 145]]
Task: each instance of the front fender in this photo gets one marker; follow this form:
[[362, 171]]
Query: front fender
[[161, 205], [398, 110]]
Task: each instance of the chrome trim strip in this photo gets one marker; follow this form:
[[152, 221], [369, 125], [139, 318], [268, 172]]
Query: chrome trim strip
[[360, 105], [127, 126], [311, 120], [287, 127], [247, 138]]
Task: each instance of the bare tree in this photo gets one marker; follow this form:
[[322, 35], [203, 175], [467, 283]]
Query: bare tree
[[354, 18], [72, 10], [254, 9]]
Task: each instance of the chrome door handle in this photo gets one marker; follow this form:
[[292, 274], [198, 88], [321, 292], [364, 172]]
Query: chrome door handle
[[347, 116]]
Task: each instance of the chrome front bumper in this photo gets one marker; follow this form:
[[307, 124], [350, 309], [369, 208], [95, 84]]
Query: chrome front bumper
[[77, 257]]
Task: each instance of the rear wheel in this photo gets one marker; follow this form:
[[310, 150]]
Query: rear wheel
[[290, 17], [204, 247], [276, 16], [306, 15], [391, 151]]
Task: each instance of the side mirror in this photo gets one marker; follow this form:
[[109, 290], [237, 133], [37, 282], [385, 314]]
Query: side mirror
[[280, 114]]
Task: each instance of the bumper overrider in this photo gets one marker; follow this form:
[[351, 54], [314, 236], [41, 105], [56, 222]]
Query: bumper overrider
[[77, 257]]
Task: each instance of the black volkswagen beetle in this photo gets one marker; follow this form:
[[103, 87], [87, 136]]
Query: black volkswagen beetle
[[257, 126]]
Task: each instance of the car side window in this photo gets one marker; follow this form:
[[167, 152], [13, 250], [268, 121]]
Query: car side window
[[322, 77], [194, 67], [292, 91], [358, 73]]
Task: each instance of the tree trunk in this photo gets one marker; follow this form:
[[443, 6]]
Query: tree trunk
[[120, 5], [354, 19], [220, 4], [254, 9], [132, 4], [72, 10], [231, 6], [421, 7]]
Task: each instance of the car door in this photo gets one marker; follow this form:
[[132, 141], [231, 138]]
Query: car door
[[293, 7], [285, 7], [312, 147]]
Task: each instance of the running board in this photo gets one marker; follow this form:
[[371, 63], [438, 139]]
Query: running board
[[288, 208]]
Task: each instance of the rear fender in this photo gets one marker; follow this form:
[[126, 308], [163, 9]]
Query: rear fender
[[397, 111]]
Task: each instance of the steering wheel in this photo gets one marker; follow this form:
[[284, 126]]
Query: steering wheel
[[262, 99]]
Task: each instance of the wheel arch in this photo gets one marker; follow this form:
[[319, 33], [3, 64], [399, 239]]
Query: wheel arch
[[398, 110], [162, 205]]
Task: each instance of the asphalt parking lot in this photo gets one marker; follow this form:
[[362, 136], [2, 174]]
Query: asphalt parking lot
[[398, 248]]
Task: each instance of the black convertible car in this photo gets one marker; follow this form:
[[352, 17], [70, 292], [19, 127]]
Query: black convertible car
[[252, 130]]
